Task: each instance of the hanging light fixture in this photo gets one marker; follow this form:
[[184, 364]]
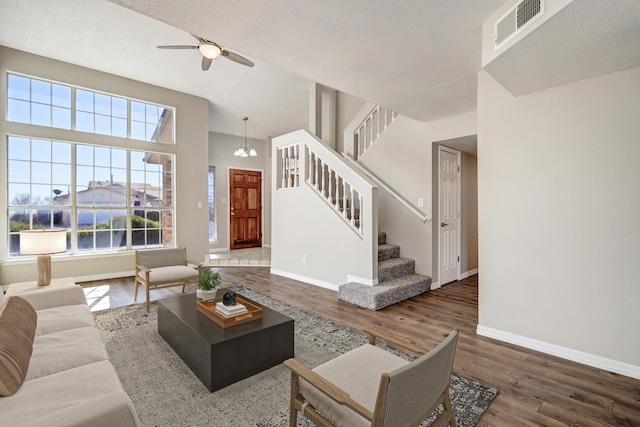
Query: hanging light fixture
[[245, 150]]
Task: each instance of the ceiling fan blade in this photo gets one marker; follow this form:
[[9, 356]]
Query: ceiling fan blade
[[177, 47], [206, 63], [237, 58], [200, 39]]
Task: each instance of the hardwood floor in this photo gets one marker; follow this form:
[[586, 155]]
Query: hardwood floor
[[535, 389]]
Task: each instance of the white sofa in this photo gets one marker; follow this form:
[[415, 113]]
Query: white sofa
[[69, 380]]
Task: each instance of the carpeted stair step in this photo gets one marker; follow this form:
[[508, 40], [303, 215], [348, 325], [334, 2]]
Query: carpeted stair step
[[387, 251], [382, 237], [383, 295], [394, 268]]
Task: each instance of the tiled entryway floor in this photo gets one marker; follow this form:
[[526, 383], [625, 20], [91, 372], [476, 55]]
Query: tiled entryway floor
[[260, 257]]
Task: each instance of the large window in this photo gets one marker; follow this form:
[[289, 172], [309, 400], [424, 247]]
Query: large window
[[101, 195], [44, 103], [212, 203]]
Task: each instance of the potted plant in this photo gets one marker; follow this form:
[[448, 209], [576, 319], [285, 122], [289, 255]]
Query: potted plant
[[208, 283]]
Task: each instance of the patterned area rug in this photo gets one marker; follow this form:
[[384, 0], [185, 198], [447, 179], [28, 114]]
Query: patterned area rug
[[166, 393]]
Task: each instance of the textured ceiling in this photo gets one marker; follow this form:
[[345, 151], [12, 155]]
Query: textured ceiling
[[419, 58], [586, 38]]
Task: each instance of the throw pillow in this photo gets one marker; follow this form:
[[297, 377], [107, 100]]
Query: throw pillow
[[18, 322]]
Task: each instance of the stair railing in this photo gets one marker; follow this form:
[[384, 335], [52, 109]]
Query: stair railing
[[337, 191], [380, 183], [366, 127], [327, 175], [314, 192]]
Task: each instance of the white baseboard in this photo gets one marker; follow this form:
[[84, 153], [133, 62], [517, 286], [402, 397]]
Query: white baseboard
[[304, 279], [435, 285], [468, 274], [266, 246], [563, 352], [361, 280], [214, 250], [104, 276]]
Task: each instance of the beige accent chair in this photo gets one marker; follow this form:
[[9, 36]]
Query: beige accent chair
[[163, 268], [370, 386]]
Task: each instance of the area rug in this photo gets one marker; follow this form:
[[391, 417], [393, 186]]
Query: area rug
[[166, 393]]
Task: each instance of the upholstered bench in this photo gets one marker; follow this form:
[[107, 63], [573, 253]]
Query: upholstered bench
[[163, 268]]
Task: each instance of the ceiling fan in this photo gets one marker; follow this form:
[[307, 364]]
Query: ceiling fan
[[211, 50]]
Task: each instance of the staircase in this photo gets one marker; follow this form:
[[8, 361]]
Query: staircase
[[397, 280]]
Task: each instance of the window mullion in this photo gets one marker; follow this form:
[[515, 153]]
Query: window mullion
[[74, 201]]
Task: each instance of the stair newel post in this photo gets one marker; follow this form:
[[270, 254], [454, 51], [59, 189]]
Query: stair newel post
[[360, 200]]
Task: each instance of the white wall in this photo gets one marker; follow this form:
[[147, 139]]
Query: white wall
[[402, 158], [559, 230], [191, 165], [347, 107], [221, 148]]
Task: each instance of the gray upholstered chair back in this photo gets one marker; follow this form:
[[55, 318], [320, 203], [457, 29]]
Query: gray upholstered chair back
[[162, 257], [416, 386]]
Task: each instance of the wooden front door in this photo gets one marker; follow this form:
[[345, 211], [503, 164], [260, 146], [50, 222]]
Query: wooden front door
[[246, 208]]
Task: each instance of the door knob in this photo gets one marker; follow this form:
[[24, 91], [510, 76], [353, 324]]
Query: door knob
[[232, 213], [442, 224]]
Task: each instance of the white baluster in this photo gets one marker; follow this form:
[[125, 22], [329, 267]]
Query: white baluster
[[353, 220], [323, 183], [309, 169], [315, 171], [344, 198], [330, 187], [361, 211], [283, 168], [377, 110], [296, 159]]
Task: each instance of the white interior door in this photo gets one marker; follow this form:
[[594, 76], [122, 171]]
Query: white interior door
[[449, 215]]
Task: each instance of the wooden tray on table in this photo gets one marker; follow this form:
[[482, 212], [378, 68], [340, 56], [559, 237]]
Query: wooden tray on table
[[208, 308]]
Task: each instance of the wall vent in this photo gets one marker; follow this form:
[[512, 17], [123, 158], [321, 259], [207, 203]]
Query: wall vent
[[515, 20]]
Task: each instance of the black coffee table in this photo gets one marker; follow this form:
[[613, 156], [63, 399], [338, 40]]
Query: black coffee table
[[222, 356]]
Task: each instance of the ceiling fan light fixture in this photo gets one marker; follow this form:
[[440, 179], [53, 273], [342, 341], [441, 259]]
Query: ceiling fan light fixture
[[210, 51]]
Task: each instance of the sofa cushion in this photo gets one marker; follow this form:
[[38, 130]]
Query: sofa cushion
[[55, 296], [371, 362], [18, 322], [171, 274], [90, 395], [64, 318], [64, 350]]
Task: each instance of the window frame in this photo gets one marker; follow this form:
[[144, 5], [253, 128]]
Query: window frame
[[63, 95]]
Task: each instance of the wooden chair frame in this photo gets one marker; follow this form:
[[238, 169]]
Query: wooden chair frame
[[149, 285], [299, 404]]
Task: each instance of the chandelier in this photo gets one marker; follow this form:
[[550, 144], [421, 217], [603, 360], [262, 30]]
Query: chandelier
[[245, 150]]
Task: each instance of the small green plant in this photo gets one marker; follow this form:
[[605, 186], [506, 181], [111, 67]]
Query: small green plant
[[209, 280]]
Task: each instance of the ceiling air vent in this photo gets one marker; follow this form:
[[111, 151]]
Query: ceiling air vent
[[516, 19]]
